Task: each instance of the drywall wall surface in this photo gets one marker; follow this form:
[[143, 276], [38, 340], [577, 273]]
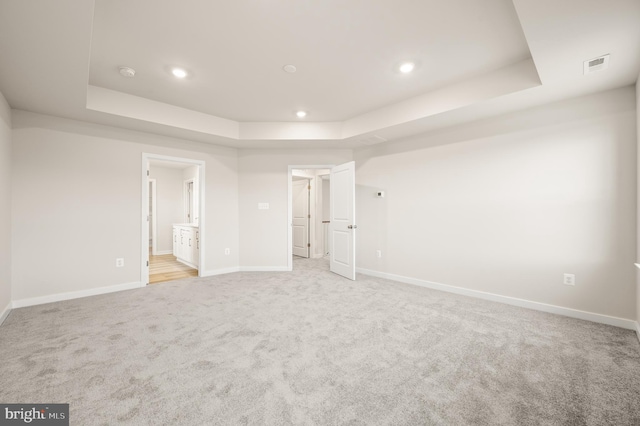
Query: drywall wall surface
[[638, 207], [169, 204], [326, 197], [264, 179], [77, 203], [5, 205], [191, 173], [509, 205]]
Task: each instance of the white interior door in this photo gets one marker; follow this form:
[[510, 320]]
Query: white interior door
[[300, 224], [342, 227]]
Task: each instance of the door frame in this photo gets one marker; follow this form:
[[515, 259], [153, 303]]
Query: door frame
[[290, 207], [154, 230], [144, 208]]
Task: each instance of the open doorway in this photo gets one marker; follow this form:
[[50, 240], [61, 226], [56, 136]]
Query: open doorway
[[335, 234], [172, 224], [301, 216], [309, 199]]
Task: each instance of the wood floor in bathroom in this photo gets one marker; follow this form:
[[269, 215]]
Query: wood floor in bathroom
[[165, 267]]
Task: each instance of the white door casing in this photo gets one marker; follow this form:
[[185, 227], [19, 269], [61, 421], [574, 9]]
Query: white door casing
[[342, 229], [300, 221], [199, 191], [153, 230]]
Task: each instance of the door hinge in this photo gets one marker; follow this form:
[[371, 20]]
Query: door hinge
[[309, 216], [147, 263], [309, 187], [147, 172], [308, 244]]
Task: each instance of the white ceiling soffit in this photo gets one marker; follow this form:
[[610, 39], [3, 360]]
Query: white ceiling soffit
[[347, 53], [473, 60]]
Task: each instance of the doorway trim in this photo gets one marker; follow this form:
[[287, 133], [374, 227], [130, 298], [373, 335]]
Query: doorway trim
[[144, 205], [154, 231], [290, 207]]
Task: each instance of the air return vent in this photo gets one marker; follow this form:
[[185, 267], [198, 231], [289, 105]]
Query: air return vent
[[596, 64]]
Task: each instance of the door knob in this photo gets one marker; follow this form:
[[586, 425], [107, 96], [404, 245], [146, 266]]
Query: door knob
[[352, 226]]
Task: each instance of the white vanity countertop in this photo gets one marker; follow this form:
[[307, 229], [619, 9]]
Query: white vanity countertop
[[193, 225]]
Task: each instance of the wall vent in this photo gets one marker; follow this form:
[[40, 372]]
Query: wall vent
[[596, 64]]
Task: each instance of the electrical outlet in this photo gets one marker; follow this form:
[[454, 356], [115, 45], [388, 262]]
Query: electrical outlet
[[378, 253], [227, 251], [119, 262], [569, 279]]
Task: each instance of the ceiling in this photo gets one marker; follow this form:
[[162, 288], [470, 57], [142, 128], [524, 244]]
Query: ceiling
[[472, 60]]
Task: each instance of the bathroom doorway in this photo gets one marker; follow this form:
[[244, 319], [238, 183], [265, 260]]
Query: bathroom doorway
[[173, 226]]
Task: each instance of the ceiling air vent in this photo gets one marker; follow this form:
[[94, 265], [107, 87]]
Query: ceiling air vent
[[372, 140], [596, 64]]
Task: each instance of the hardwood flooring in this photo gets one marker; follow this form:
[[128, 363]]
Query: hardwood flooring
[[165, 267]]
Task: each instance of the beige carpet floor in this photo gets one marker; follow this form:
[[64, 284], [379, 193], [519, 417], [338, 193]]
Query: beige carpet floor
[[311, 348]]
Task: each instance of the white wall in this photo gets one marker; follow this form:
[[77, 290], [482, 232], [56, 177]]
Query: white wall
[[169, 204], [508, 205], [638, 208], [5, 207], [326, 198], [77, 203], [264, 178], [191, 173]]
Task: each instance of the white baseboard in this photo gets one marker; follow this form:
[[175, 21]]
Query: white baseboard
[[75, 294], [573, 313], [162, 252], [245, 269], [638, 330], [189, 264], [5, 313], [222, 271], [265, 269]]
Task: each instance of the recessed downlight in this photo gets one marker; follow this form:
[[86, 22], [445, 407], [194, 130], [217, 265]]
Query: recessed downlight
[[290, 68], [127, 72], [179, 72], [407, 67], [301, 114]]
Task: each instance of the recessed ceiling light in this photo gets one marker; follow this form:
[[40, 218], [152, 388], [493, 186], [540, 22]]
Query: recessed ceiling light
[[127, 72], [407, 67], [290, 68], [179, 73], [301, 114]]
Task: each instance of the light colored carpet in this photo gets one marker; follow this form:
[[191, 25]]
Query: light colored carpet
[[308, 348]]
